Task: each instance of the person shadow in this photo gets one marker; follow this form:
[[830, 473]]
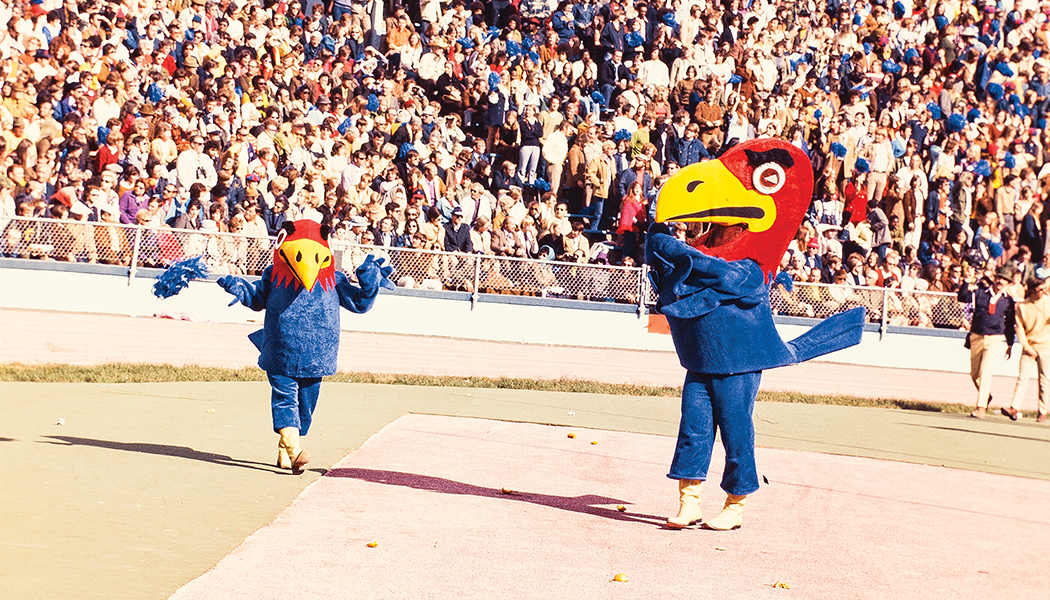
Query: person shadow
[[163, 450], [589, 504]]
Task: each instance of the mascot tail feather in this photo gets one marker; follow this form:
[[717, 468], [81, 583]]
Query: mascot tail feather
[[834, 333], [178, 275]]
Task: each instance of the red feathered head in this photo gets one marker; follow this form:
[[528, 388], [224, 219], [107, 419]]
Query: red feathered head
[[302, 256], [755, 196]]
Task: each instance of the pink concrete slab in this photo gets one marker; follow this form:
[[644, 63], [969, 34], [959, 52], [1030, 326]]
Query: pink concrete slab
[[84, 339], [429, 491]]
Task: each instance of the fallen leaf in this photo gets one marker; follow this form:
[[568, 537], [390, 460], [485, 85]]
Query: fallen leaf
[[211, 410], [594, 443], [572, 414], [720, 549], [782, 585], [506, 491], [60, 422], [620, 577], [621, 508], [372, 544], [764, 480], [571, 436]]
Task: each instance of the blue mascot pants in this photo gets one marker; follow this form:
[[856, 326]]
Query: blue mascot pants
[[724, 402], [293, 401]]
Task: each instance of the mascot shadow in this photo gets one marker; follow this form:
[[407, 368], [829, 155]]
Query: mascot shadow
[[586, 504], [163, 450]]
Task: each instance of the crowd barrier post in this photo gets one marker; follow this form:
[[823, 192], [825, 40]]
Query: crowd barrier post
[[133, 266], [643, 289], [885, 310], [476, 294]]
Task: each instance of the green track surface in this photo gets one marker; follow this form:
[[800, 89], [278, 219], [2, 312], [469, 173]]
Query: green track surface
[[142, 489]]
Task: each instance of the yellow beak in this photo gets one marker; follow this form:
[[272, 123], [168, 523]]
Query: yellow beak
[[305, 258], [707, 192]]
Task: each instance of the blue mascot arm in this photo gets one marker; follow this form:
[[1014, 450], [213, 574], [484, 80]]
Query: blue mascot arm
[[251, 295], [371, 275], [691, 284]]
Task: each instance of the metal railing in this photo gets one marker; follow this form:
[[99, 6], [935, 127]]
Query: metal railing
[[885, 306], [135, 247], [482, 273]]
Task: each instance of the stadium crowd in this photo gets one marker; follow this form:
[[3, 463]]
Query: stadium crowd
[[532, 128]]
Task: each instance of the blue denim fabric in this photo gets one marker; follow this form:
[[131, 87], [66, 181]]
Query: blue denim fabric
[[293, 401], [724, 402]]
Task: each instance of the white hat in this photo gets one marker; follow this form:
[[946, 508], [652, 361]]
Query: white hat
[[358, 222], [209, 226]]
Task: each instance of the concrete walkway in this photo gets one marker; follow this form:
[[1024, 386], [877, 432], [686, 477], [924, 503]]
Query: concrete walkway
[[526, 512], [134, 490], [72, 338], [144, 487]]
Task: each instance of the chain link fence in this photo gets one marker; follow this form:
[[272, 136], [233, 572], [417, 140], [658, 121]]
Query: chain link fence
[[135, 246], [886, 306], [68, 240], [476, 273], [145, 247]]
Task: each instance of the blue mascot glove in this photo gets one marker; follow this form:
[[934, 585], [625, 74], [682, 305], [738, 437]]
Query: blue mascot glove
[[236, 286], [373, 274]]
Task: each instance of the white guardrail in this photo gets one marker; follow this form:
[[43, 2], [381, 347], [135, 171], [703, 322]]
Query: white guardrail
[[136, 247]]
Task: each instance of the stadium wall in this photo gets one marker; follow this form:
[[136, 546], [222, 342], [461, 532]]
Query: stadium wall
[[67, 287]]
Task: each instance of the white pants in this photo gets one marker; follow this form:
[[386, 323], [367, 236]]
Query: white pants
[[1040, 363], [985, 351]]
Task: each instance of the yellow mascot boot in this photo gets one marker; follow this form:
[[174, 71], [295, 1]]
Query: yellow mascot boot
[[689, 504], [283, 460], [298, 456], [731, 517]]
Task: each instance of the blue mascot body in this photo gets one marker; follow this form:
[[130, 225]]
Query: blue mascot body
[[715, 295], [302, 293]]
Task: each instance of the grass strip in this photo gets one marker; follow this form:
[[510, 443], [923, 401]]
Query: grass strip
[[142, 373]]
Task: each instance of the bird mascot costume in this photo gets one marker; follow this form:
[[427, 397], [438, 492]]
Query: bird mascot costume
[[299, 342], [715, 295]]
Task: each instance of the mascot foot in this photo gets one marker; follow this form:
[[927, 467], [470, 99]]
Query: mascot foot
[[731, 517], [299, 464], [283, 460], [290, 445], [689, 504]]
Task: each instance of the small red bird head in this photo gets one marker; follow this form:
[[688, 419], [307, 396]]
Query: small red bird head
[[754, 196], [302, 256]]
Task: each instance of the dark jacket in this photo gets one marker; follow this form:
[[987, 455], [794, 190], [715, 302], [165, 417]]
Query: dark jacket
[[613, 38], [989, 320], [690, 151], [495, 115], [530, 132], [458, 240], [608, 73], [1031, 236]]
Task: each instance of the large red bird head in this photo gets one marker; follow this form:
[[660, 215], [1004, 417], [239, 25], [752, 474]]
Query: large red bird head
[[302, 256], [755, 196]]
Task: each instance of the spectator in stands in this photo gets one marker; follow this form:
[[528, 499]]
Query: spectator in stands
[[955, 119]]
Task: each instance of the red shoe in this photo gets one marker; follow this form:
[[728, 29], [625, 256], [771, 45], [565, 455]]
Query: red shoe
[[1013, 413], [1041, 418], [978, 413]]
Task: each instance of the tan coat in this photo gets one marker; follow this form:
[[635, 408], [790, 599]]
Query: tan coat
[[599, 176], [577, 173], [1033, 322]]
